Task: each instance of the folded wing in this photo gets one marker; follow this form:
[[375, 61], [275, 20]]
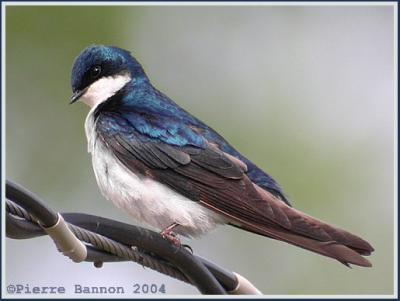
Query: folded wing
[[219, 182]]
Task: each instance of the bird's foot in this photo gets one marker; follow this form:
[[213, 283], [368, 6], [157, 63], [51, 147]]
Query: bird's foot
[[172, 238], [169, 235]]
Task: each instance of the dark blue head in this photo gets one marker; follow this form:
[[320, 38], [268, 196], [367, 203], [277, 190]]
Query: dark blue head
[[99, 61]]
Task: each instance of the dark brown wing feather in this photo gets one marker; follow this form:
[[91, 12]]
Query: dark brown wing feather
[[219, 182]]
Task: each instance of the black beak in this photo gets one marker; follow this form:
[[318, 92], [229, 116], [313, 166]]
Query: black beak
[[77, 94]]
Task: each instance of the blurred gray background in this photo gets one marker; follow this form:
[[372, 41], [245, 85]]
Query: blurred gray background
[[305, 92]]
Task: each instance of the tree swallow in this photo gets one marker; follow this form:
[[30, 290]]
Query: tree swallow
[[171, 171]]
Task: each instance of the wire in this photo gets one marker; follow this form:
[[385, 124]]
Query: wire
[[109, 241], [115, 248], [32, 203]]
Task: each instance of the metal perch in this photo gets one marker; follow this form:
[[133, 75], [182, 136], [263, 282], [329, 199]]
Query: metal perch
[[84, 237]]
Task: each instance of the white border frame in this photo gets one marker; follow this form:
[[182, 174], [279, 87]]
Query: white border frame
[[173, 3]]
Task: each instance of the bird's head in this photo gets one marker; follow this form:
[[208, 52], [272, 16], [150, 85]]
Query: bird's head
[[101, 71]]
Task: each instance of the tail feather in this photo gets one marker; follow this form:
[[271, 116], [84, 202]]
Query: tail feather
[[310, 233], [332, 249], [268, 216], [336, 234]]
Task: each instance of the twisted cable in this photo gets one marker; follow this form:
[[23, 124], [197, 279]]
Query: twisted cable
[[108, 245]]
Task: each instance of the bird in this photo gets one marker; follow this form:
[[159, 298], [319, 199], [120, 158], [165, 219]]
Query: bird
[[170, 171]]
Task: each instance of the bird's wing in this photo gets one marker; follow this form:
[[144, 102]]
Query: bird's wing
[[203, 174], [219, 182], [255, 174], [164, 128]]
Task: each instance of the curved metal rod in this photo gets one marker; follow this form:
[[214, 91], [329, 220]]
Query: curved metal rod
[[31, 202], [191, 266], [100, 248], [147, 240], [23, 229]]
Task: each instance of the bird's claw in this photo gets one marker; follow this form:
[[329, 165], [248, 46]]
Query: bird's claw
[[169, 235]]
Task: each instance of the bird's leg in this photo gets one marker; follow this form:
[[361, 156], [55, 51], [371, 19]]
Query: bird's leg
[[167, 234]]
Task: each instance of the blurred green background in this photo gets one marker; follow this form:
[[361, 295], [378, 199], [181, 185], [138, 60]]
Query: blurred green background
[[305, 92]]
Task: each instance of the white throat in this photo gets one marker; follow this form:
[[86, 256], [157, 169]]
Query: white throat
[[104, 88]]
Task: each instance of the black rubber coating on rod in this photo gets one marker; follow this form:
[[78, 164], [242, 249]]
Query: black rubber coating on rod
[[31, 203], [192, 266]]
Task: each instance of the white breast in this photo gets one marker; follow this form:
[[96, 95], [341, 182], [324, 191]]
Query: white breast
[[143, 198]]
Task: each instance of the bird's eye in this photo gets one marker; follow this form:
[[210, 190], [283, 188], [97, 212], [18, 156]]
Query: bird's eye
[[95, 71]]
